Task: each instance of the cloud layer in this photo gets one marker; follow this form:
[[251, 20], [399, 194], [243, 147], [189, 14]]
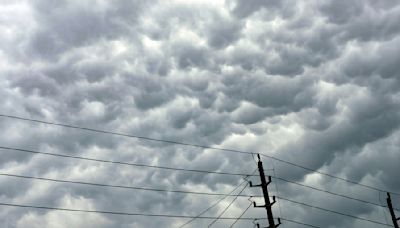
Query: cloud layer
[[315, 83]]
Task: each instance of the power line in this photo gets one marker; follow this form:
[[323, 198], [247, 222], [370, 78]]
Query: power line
[[329, 192], [334, 212], [124, 163], [248, 207], [123, 187], [192, 145], [383, 208], [277, 190], [299, 223], [213, 205], [326, 174], [123, 134], [227, 207], [188, 170], [120, 213], [216, 203]]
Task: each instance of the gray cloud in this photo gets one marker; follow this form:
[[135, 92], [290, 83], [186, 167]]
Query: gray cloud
[[315, 83]]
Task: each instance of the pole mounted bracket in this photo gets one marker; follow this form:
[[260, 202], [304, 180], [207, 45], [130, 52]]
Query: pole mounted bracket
[[258, 226], [274, 201], [269, 180], [252, 185], [255, 205], [260, 185], [279, 223], [265, 205]]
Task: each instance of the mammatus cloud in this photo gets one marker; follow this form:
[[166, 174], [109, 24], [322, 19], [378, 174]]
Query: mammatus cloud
[[314, 83]]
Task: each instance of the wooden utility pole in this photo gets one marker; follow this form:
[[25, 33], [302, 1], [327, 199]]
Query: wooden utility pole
[[390, 206], [264, 185]]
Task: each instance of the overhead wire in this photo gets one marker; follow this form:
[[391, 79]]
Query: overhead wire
[[124, 187], [189, 170], [203, 171], [329, 192], [193, 145], [299, 223], [227, 207], [383, 208], [210, 207], [123, 134], [214, 204], [248, 207], [120, 213], [327, 174], [277, 190], [180, 191], [123, 163], [333, 212]]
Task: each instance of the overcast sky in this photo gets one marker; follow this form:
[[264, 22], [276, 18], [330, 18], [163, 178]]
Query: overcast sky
[[312, 82]]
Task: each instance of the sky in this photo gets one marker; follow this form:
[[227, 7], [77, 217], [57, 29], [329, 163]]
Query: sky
[[315, 83]]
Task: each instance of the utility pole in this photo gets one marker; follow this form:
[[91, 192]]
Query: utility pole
[[389, 203], [264, 185]]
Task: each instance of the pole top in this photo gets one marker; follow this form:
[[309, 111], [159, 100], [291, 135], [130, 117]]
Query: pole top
[[258, 155]]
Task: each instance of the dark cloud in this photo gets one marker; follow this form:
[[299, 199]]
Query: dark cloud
[[223, 32], [66, 24], [245, 8], [314, 83]]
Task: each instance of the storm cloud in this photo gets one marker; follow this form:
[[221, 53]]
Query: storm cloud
[[316, 83]]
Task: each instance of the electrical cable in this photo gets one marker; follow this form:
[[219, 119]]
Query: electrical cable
[[123, 163], [327, 174], [277, 190], [383, 208], [329, 192], [188, 170], [210, 207], [299, 223], [332, 211], [248, 207], [192, 145], [123, 187], [216, 203], [226, 208], [119, 213], [123, 134]]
